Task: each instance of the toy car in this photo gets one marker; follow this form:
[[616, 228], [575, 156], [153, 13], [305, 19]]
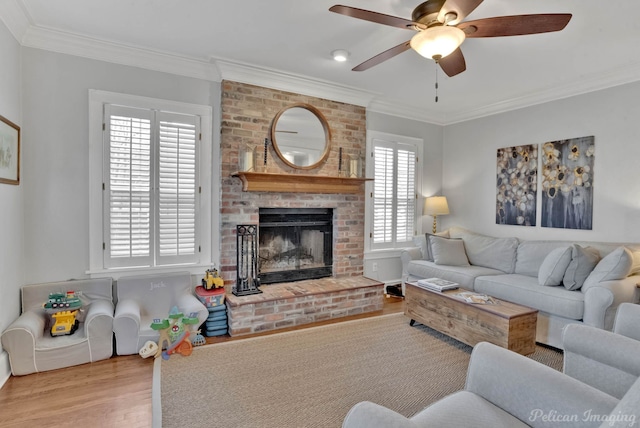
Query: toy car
[[65, 323], [212, 280]]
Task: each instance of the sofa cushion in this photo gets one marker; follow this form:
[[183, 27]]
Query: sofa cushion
[[554, 266], [447, 251], [422, 241], [463, 275], [615, 265], [583, 260], [531, 254], [526, 291], [487, 251]]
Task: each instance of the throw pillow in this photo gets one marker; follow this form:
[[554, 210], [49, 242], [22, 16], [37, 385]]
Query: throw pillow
[[636, 262], [615, 265], [448, 251], [428, 253], [554, 266], [583, 260], [421, 242], [494, 253]]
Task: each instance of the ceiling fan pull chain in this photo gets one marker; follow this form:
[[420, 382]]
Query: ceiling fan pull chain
[[436, 82]]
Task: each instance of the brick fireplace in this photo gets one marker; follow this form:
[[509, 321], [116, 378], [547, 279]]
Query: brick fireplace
[[247, 113], [295, 244]]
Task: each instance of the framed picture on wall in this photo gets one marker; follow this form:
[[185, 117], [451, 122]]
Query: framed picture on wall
[[516, 185], [567, 183], [9, 152]]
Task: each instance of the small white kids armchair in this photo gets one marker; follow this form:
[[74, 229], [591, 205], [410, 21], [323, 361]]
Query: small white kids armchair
[[143, 298], [28, 341]]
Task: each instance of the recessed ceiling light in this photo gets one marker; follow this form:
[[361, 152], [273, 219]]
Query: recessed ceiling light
[[340, 55]]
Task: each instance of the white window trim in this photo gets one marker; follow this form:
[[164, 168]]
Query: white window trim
[[97, 99], [368, 222]]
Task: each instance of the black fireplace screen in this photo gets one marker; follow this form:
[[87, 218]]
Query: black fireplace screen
[[295, 244]]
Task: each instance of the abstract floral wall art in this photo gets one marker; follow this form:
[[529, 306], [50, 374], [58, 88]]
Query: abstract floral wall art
[[567, 183], [516, 185]]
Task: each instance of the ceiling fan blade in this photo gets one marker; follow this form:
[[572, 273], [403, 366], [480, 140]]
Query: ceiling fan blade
[[461, 8], [381, 57], [517, 25], [453, 63], [379, 18]]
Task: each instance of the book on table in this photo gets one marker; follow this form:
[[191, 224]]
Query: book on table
[[437, 284]]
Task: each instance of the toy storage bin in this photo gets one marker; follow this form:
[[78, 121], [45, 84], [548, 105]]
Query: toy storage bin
[[210, 298]]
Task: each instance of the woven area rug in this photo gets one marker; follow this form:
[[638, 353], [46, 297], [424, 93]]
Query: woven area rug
[[312, 377]]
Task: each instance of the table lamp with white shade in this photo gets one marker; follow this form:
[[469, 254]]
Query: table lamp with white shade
[[435, 206]]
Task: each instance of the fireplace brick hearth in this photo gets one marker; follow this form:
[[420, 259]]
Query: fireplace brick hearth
[[297, 303]]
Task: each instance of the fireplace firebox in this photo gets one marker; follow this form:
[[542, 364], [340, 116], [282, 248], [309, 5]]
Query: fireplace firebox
[[295, 244]]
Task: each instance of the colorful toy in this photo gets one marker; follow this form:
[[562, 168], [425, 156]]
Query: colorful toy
[[65, 323], [212, 279], [174, 334], [150, 348], [62, 301], [199, 340], [63, 308]]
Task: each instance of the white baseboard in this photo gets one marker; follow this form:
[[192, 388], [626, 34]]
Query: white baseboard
[[5, 368]]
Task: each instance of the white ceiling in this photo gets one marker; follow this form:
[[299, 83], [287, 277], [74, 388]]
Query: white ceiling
[[293, 39]]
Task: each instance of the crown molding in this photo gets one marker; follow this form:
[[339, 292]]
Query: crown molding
[[213, 70], [407, 111], [590, 83], [15, 18], [86, 47], [283, 81]]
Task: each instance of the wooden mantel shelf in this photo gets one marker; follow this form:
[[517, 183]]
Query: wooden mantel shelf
[[298, 183]]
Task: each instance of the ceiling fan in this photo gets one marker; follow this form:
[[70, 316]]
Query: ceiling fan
[[441, 32]]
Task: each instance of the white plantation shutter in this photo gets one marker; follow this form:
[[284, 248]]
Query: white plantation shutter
[[151, 184], [394, 194], [128, 187], [405, 195], [383, 195], [177, 189]]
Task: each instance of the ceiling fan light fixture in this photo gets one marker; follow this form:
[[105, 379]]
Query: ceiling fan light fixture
[[340, 55], [437, 42]]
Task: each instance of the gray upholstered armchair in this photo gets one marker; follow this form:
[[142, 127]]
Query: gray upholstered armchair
[[609, 361], [143, 298], [505, 389], [31, 347]]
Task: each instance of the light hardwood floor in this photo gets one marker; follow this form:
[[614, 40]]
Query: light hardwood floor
[[110, 393]]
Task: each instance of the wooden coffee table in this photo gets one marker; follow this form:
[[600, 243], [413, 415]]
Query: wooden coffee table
[[505, 324]]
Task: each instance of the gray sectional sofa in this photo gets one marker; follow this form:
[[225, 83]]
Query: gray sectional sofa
[[568, 282]]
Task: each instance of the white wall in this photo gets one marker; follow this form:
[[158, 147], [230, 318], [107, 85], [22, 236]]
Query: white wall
[[389, 267], [611, 115], [56, 161], [11, 212]]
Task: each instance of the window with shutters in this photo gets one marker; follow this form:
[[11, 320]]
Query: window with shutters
[[394, 196], [153, 208]]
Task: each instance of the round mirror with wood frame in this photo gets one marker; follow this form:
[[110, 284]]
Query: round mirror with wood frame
[[301, 136]]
